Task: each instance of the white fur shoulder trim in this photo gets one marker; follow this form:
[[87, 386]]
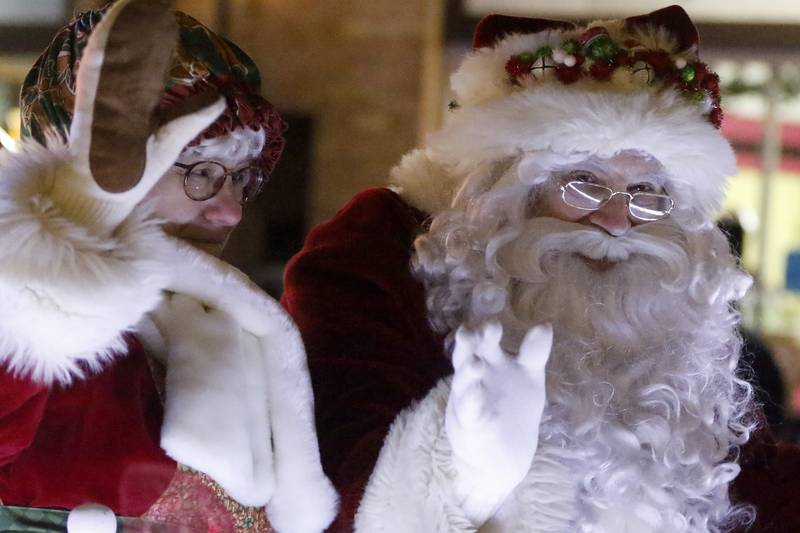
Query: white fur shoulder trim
[[411, 486], [67, 294], [254, 382]]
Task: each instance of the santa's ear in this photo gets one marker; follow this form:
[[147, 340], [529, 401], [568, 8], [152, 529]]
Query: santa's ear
[[119, 84], [674, 19], [492, 28]]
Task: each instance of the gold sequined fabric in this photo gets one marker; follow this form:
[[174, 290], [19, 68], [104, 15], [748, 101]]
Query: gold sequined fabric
[[193, 502]]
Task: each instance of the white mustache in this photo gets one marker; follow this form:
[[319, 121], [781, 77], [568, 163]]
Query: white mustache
[[600, 246], [560, 235], [595, 245], [545, 236]]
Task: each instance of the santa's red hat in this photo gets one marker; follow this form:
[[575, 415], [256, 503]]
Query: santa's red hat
[[534, 85]]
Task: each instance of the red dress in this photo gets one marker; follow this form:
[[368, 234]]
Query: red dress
[[97, 441], [94, 441]]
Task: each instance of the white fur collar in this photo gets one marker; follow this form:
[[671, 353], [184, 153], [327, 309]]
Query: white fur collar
[[239, 405], [67, 292], [564, 120]]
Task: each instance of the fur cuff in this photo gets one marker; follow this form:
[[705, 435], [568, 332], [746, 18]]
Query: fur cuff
[[67, 293], [303, 506]]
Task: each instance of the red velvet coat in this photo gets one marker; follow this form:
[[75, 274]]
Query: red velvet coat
[[94, 441], [371, 353], [97, 441]]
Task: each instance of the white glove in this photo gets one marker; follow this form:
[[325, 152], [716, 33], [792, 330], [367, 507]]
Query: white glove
[[119, 146], [493, 414]]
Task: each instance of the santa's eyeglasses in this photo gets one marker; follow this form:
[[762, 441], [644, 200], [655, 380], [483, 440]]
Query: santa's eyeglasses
[[204, 179], [645, 206]]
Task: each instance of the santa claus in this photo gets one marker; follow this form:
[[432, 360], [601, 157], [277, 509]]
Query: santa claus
[[565, 258]]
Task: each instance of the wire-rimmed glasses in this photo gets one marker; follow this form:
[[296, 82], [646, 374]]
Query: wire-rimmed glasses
[[646, 206], [204, 179]]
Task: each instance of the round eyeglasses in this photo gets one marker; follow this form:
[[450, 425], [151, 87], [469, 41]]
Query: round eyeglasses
[[646, 206], [204, 179]]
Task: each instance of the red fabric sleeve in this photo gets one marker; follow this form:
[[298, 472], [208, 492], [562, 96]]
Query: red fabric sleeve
[[22, 405], [96, 440], [371, 352]]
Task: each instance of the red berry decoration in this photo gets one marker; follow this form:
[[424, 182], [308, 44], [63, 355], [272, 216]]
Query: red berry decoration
[[702, 73], [601, 70], [622, 59], [711, 83], [694, 80], [517, 68], [715, 117], [568, 75]]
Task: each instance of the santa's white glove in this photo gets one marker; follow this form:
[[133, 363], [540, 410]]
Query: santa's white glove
[[119, 143], [493, 414]]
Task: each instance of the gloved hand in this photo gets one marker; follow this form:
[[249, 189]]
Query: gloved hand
[[119, 145], [493, 414]]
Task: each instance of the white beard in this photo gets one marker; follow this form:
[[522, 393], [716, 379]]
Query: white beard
[[641, 385]]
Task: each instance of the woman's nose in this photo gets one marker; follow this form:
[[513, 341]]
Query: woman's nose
[[224, 208]]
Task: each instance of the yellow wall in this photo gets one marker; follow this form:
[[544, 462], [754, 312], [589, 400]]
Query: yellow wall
[[783, 222]]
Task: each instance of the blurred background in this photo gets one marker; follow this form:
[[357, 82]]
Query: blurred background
[[361, 81]]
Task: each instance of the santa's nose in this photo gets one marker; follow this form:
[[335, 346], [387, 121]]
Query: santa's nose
[[613, 217]]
